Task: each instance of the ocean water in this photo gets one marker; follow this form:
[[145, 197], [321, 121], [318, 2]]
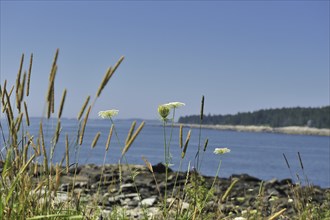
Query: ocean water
[[257, 154]]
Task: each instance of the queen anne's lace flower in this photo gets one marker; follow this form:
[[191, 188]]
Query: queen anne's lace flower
[[174, 104], [221, 150], [163, 111], [108, 113]]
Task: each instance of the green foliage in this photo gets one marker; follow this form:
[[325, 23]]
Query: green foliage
[[117, 213], [28, 189], [312, 117]]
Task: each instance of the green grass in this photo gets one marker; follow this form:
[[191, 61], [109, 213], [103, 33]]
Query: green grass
[[29, 189]]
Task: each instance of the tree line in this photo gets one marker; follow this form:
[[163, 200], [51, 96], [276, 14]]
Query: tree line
[[280, 117]]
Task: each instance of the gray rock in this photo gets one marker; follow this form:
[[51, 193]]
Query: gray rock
[[132, 203], [131, 195], [128, 187], [148, 202], [116, 199], [160, 168]]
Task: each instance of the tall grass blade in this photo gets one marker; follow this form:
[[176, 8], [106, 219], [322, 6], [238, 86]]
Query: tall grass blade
[[56, 216], [277, 214], [17, 178], [224, 197]]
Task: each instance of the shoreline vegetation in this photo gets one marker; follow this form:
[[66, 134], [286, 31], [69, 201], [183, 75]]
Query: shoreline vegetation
[[267, 129], [33, 186], [233, 197]]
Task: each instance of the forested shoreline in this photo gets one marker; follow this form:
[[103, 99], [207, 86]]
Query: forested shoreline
[[316, 117]]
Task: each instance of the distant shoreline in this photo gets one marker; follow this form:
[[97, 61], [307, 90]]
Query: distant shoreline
[[267, 129]]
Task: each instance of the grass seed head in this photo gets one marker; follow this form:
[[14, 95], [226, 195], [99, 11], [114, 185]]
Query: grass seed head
[[62, 104], [186, 144], [107, 145], [82, 132], [29, 76], [128, 145], [26, 114], [202, 109], [81, 112], [96, 138]]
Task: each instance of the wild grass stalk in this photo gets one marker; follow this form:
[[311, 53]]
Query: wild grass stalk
[[107, 145], [67, 156], [82, 110], [163, 111], [130, 132], [26, 114], [149, 166], [182, 154], [82, 132], [18, 78], [204, 149], [131, 140], [62, 104], [96, 138], [17, 160], [108, 75], [199, 135], [109, 115], [28, 189], [29, 76]]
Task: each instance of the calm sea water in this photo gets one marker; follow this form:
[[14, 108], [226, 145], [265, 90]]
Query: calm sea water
[[257, 154]]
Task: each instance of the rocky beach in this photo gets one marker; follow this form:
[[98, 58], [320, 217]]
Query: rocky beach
[[237, 196]]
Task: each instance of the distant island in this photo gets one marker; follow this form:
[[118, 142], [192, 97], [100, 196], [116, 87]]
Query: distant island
[[297, 120]]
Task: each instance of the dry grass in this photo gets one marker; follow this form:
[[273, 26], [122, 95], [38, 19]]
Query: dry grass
[[28, 188]]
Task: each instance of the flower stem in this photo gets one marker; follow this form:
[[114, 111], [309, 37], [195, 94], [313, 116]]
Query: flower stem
[[171, 132], [176, 178], [128, 166], [166, 168], [215, 179]]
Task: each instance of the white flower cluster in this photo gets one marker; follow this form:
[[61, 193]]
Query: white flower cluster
[[108, 113], [221, 150]]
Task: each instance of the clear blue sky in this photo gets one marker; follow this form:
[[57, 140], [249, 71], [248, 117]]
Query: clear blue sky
[[242, 55]]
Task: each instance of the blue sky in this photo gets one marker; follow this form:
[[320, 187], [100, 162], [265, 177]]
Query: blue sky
[[242, 55]]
